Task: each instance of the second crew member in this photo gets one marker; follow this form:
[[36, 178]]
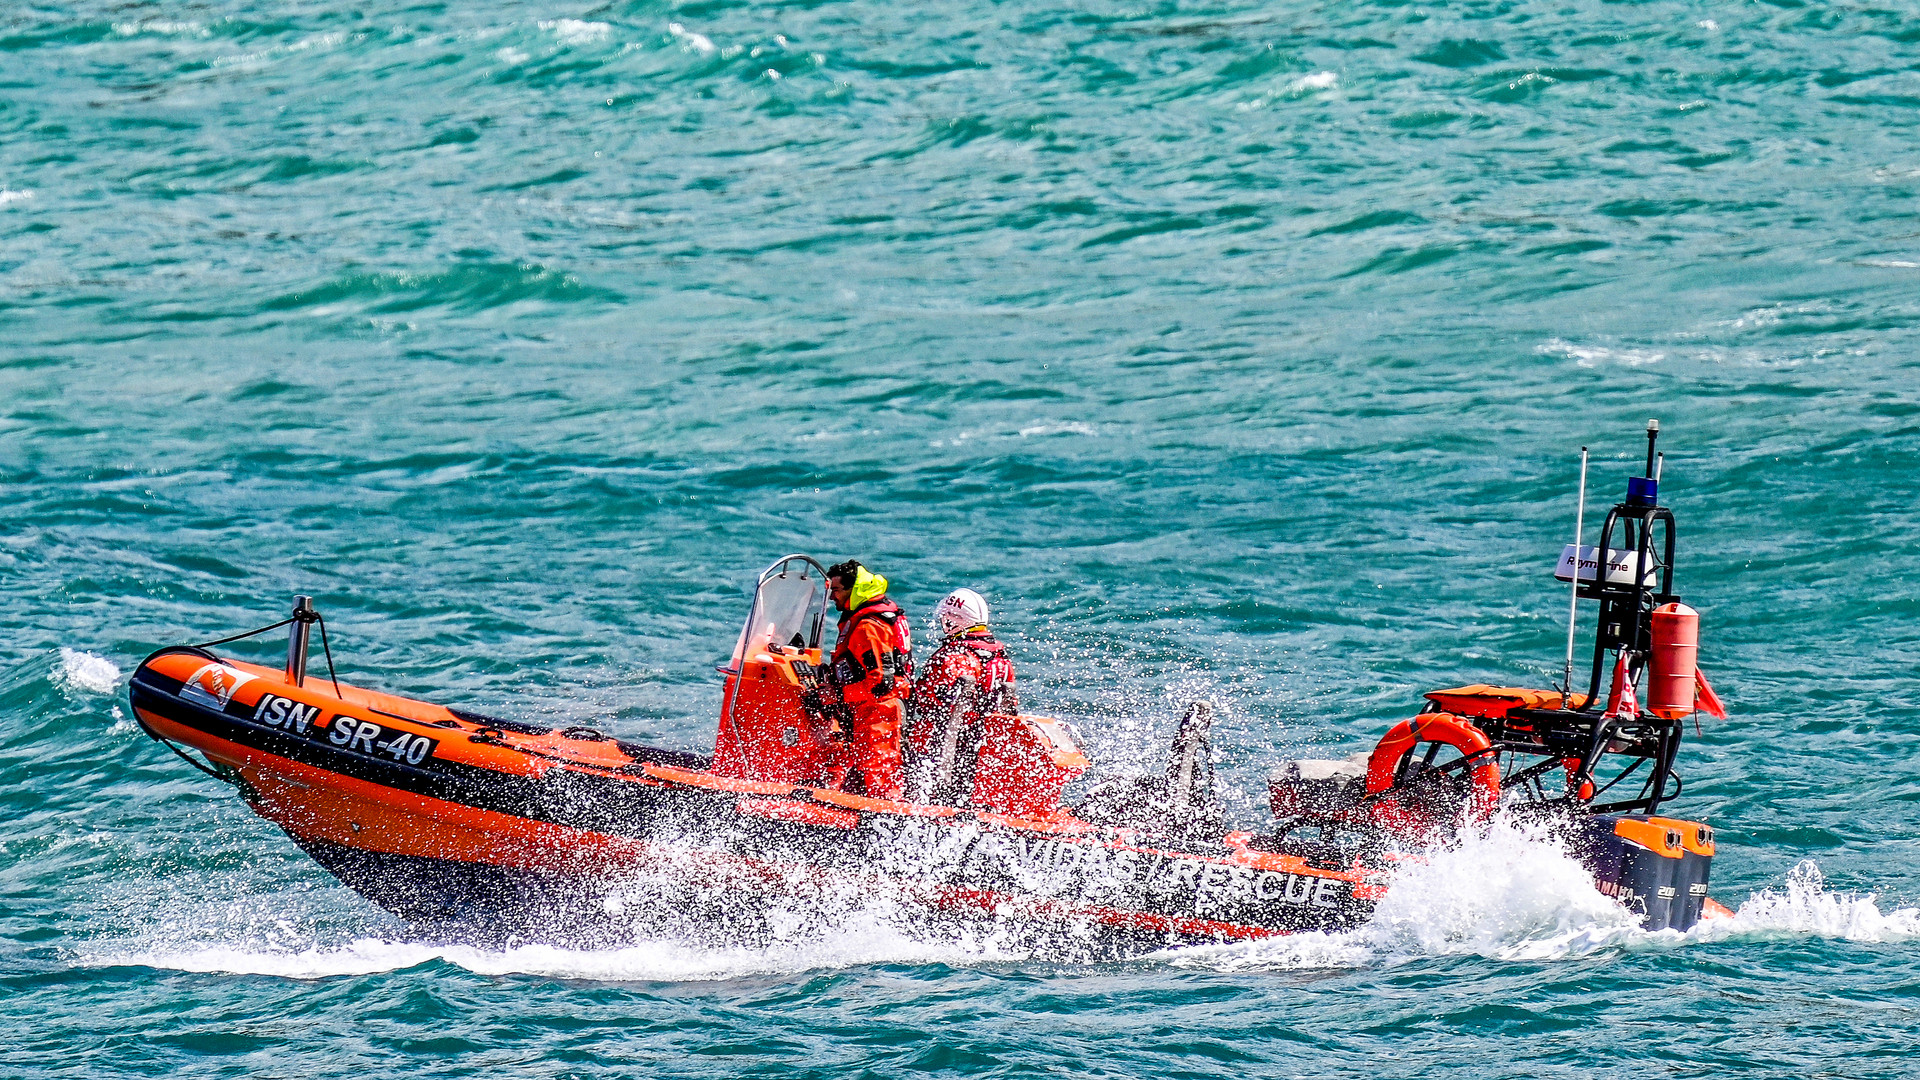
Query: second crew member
[[872, 668], [945, 730]]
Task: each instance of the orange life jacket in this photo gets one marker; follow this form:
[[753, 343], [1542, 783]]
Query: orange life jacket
[[975, 656], [892, 663]]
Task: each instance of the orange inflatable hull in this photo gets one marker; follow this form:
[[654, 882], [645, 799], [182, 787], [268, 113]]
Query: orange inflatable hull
[[447, 816]]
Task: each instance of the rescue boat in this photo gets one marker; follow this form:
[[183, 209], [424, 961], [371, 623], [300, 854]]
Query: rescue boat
[[500, 828]]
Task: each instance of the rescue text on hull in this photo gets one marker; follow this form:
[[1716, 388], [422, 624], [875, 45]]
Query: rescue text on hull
[[499, 828]]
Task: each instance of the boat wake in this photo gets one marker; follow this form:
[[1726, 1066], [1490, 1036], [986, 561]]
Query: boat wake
[[1513, 892], [647, 961], [1803, 906], [678, 922], [1508, 892]]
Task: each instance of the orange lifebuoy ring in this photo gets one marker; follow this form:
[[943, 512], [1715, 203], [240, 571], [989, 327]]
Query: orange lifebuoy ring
[[1383, 768]]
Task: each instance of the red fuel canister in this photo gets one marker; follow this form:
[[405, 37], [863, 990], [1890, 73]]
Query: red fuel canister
[[1676, 652]]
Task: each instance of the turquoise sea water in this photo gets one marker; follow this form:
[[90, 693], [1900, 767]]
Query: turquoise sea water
[[1232, 350]]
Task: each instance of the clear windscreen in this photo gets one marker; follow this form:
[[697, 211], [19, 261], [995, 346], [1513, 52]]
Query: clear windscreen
[[788, 606]]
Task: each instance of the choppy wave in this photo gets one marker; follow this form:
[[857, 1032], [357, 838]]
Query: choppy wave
[[85, 671]]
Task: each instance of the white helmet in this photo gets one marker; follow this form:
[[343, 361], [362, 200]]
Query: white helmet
[[963, 609]]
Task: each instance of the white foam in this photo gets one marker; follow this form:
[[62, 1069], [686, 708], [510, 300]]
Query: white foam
[[645, 961], [687, 920], [1514, 893], [698, 42], [575, 31], [1588, 356], [1805, 907], [162, 27], [1509, 892], [8, 195], [1298, 87], [85, 671], [1069, 427], [1772, 315]]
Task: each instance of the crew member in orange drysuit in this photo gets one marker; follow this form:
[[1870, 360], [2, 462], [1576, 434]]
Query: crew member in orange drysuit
[[945, 731], [872, 669], [969, 653]]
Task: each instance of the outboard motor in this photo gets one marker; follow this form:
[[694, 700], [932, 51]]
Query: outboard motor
[[1656, 867]]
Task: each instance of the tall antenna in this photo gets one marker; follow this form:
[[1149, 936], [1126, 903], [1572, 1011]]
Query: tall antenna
[[1653, 433], [1573, 601]]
